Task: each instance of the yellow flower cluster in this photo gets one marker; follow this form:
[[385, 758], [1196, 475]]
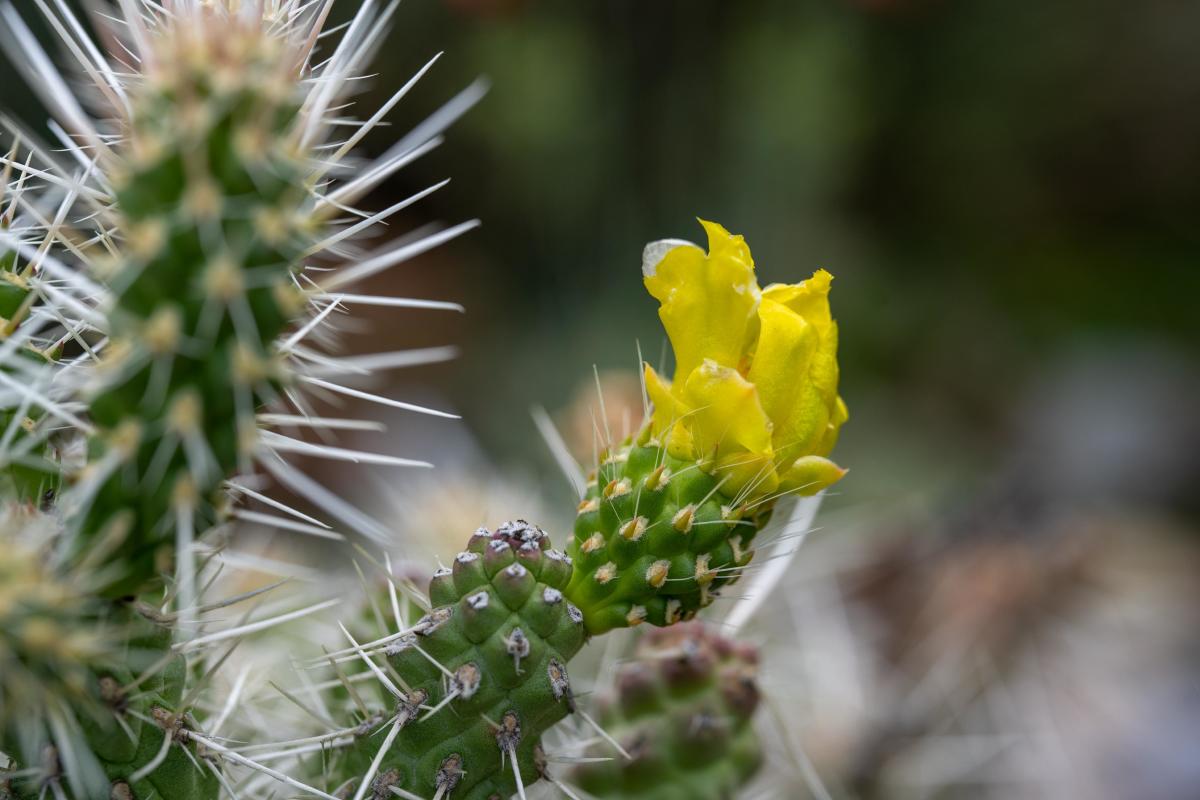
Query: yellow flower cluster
[[754, 397]]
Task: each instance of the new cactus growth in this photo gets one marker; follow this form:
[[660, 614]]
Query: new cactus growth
[[749, 418], [682, 709]]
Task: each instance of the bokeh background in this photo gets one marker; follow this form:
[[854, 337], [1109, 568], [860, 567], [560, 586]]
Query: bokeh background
[[1002, 598]]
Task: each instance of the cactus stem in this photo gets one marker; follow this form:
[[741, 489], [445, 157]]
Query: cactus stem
[[159, 757]]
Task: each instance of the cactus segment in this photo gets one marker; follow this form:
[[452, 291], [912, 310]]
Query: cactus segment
[[656, 538], [479, 678], [749, 417], [91, 693], [683, 711], [210, 192]]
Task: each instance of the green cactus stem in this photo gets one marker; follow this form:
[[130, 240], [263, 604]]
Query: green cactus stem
[[210, 195], [481, 678], [91, 692], [682, 710], [656, 538]]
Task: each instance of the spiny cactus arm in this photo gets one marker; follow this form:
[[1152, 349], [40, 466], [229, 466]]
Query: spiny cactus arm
[[750, 417], [682, 709], [91, 694], [211, 191], [475, 683], [205, 192]]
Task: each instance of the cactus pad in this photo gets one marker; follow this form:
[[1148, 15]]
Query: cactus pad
[[482, 676], [683, 712], [655, 538]]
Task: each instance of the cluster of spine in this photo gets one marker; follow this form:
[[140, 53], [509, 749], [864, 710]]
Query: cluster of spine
[[656, 538], [143, 740], [476, 681], [29, 467], [50, 639], [682, 710], [91, 695]]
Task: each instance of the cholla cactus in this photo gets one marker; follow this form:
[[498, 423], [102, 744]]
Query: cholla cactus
[[161, 324], [159, 319], [749, 418], [478, 679], [483, 674], [682, 710]]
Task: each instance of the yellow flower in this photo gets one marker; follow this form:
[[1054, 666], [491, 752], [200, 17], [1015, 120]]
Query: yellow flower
[[754, 395]]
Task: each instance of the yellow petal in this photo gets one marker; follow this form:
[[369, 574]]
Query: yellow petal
[[707, 301], [668, 409], [809, 299], [728, 415], [810, 474], [804, 427], [829, 438], [738, 470], [680, 443], [782, 357]]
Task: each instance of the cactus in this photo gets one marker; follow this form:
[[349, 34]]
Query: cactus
[[481, 676], [682, 710], [211, 196], [657, 534], [170, 252], [91, 693], [669, 518], [156, 302]]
